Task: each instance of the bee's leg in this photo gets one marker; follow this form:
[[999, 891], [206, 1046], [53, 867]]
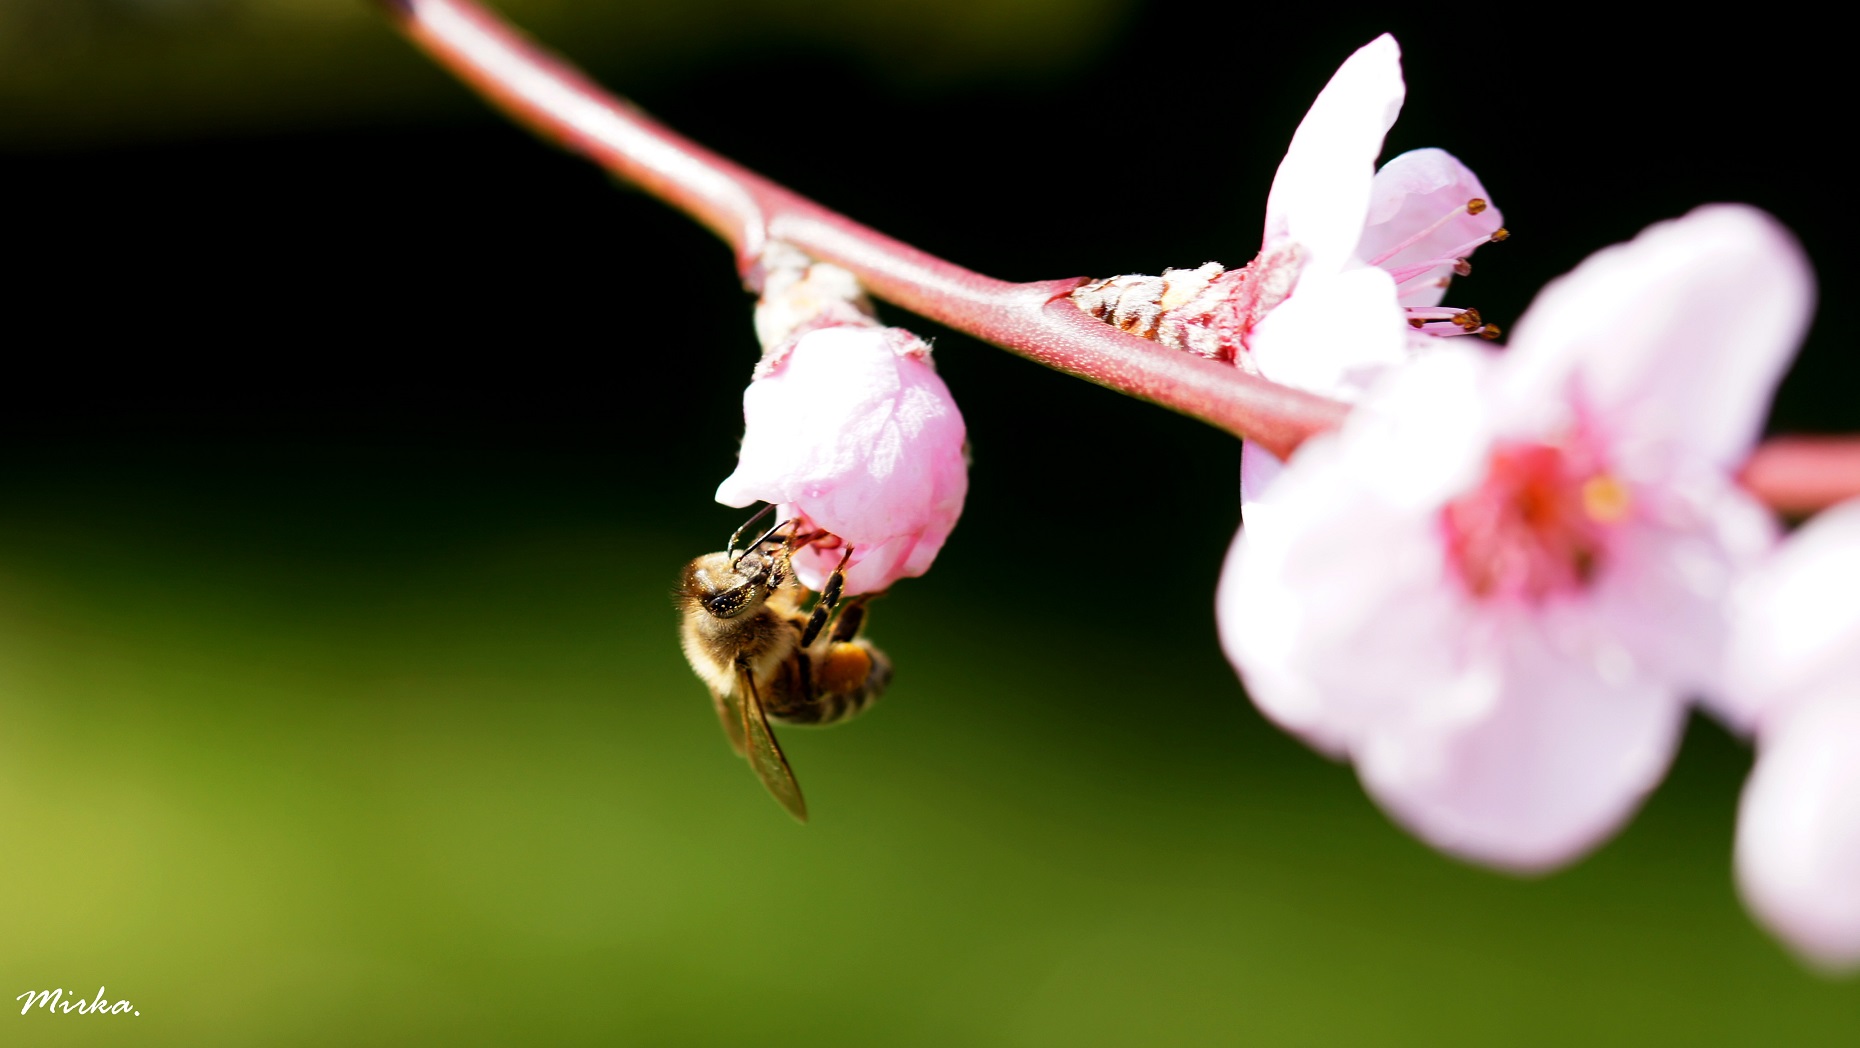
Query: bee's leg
[[801, 674], [852, 616], [829, 596]]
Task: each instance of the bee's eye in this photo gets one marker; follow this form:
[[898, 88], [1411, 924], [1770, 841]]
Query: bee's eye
[[728, 603]]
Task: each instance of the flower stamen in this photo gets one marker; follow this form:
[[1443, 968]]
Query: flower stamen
[[1455, 258], [1471, 207], [1537, 525], [1446, 321]]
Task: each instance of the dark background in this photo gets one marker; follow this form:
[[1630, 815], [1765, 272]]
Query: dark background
[[350, 450]]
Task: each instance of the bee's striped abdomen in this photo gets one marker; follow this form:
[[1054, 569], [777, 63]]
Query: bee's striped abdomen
[[846, 678]]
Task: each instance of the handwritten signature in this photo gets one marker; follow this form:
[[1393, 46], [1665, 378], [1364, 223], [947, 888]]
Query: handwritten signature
[[53, 1001]]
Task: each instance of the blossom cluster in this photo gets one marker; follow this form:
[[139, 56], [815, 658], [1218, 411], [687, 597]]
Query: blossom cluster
[[1497, 589], [1501, 586]]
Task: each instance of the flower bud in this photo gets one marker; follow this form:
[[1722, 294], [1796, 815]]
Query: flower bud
[[849, 429]]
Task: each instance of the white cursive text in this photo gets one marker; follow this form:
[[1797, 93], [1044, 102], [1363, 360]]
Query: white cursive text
[[52, 1001]]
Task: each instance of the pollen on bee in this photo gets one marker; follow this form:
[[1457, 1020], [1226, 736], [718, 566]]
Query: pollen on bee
[[844, 669]]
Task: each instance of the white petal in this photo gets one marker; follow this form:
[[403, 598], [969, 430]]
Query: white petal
[[1797, 620], [1556, 754], [1666, 577], [1334, 335], [1258, 469], [1309, 575], [1422, 433], [1675, 340], [1798, 830], [1321, 192], [1331, 584]]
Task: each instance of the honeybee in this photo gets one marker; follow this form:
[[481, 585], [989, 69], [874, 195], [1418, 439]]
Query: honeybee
[[766, 659]]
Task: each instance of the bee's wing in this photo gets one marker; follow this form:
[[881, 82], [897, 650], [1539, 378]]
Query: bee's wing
[[730, 714], [764, 753]]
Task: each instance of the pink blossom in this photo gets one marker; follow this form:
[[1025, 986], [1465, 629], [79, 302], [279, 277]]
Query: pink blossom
[[1793, 675], [1493, 588], [1355, 262], [849, 429]]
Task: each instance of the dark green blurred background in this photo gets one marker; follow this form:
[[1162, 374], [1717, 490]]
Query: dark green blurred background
[[352, 442]]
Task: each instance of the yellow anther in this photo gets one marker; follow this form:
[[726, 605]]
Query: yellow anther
[[1490, 332], [1501, 234], [1474, 206], [1605, 499]]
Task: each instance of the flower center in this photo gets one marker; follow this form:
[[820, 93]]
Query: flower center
[[1536, 525]]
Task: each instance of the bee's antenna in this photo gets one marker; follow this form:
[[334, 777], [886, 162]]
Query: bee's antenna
[[747, 524], [758, 543]]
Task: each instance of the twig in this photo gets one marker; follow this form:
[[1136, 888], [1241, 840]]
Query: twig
[[1036, 320], [1799, 475]]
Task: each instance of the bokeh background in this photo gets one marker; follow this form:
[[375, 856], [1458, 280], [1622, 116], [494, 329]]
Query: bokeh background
[[352, 441]]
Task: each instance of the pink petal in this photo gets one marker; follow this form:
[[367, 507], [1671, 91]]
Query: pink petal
[[874, 568], [854, 430], [1300, 584], [1258, 469], [1664, 584], [1797, 621], [1321, 191], [1798, 830], [1552, 753], [1334, 335], [1331, 579], [1675, 340], [1409, 195]]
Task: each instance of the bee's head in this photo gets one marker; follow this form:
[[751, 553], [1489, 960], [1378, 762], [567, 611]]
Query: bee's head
[[727, 585]]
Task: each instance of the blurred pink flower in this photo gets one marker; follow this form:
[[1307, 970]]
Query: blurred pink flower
[[850, 429], [1793, 675], [1493, 588], [1354, 262]]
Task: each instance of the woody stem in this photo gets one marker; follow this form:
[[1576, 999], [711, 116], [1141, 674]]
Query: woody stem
[[1799, 475], [1035, 320]]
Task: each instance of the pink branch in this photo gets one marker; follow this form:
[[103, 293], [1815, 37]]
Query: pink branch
[[1035, 320], [1799, 475]]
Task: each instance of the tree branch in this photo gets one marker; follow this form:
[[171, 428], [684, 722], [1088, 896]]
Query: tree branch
[[1799, 475], [1036, 320]]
